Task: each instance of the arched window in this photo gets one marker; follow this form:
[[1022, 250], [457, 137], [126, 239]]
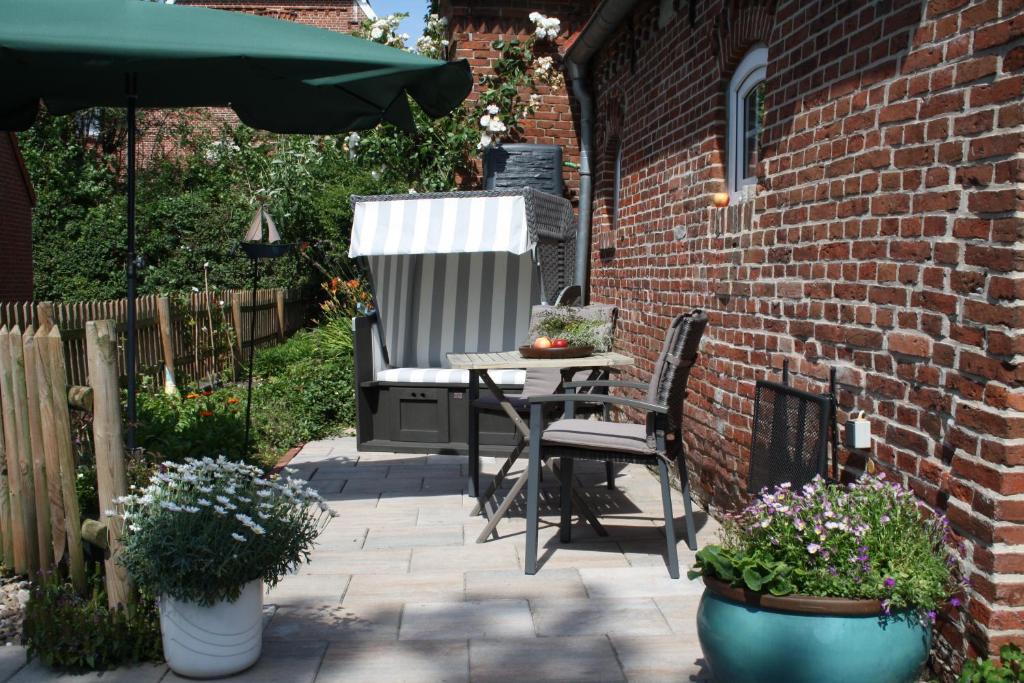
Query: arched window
[[745, 117]]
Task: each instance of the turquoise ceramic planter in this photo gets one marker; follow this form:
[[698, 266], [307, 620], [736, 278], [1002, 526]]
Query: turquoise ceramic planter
[[746, 641]]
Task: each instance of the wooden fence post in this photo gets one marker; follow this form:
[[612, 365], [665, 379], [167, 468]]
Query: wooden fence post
[[101, 348], [40, 494], [28, 502], [54, 411], [281, 330], [236, 319], [163, 309], [44, 316], [12, 441], [6, 521]]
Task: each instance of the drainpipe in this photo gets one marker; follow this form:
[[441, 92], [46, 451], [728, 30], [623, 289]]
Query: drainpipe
[[586, 208], [608, 15]]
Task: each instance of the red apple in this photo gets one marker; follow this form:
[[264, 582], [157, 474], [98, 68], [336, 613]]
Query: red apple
[[560, 343], [542, 343]]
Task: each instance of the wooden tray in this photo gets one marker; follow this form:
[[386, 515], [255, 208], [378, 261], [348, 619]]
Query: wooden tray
[[527, 351]]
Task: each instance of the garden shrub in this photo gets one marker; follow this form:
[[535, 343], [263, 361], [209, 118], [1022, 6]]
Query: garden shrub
[[69, 632], [175, 427], [1009, 670]]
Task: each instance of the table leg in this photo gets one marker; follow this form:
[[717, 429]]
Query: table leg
[[484, 503], [473, 437]]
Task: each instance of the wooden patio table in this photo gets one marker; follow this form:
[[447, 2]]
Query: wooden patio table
[[477, 364]]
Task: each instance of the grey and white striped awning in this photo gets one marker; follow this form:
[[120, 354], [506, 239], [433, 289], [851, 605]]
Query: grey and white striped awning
[[440, 225]]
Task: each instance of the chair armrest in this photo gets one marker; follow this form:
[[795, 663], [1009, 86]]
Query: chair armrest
[[600, 398], [605, 383]]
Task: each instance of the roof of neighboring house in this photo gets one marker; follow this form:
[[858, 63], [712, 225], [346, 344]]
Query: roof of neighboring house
[[21, 166]]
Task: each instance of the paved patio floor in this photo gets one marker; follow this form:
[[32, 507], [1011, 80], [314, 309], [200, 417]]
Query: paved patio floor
[[398, 589]]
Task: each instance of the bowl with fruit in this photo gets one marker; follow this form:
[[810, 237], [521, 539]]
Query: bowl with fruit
[[565, 332], [546, 347]]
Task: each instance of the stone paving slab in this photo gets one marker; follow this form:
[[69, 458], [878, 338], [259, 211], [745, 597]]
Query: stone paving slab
[[544, 660], [406, 661], [462, 620], [589, 617]]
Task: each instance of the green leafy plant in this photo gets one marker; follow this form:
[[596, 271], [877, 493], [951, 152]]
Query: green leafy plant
[[203, 529], [175, 427], [984, 670], [871, 540], [70, 632], [566, 322]]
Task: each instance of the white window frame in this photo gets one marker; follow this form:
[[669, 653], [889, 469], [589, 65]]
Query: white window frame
[[748, 75]]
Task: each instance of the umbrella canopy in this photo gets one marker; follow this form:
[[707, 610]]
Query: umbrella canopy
[[277, 75]]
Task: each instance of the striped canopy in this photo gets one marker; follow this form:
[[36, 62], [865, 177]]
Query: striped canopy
[[441, 224]]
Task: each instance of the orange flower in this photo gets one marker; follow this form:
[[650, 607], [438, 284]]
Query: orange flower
[[353, 283], [335, 281], [233, 400], [192, 395], [206, 413]]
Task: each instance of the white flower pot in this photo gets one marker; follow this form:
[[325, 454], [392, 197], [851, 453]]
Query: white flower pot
[[219, 640]]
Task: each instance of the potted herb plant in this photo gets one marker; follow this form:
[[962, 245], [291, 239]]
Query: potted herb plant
[[206, 536], [825, 583]]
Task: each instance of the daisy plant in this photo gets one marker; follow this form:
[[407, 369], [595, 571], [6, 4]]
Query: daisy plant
[[871, 539], [203, 529]]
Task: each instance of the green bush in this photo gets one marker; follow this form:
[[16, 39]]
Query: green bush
[[195, 424], [73, 633], [307, 392], [1011, 669]]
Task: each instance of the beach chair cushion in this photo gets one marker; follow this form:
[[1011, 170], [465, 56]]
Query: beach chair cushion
[[447, 376]]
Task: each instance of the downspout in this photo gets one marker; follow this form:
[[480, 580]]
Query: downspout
[[605, 19], [586, 206]]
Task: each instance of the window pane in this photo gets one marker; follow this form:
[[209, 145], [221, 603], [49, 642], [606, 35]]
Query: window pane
[[753, 115]]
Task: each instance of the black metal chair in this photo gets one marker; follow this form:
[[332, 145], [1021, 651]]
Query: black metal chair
[[659, 439], [790, 436]]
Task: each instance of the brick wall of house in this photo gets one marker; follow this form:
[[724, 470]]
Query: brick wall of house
[[884, 241], [475, 25], [16, 200], [336, 15]]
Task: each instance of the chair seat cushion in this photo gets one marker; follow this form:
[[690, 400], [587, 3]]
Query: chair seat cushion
[[598, 435], [447, 376]]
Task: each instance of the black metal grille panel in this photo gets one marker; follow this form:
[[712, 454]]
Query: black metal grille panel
[[790, 436]]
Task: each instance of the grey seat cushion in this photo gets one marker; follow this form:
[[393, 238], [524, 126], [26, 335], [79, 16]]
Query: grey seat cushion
[[599, 436]]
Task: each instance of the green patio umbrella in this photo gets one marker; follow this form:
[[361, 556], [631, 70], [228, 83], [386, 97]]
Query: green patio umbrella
[[276, 75]]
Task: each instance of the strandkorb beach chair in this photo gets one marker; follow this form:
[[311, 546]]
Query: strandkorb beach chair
[[450, 272]]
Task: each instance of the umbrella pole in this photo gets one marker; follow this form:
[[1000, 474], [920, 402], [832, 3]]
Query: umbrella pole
[[132, 90]]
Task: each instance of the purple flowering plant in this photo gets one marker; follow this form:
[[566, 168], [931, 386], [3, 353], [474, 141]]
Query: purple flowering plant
[[871, 539]]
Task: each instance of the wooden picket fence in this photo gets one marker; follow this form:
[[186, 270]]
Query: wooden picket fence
[[198, 337], [41, 528]]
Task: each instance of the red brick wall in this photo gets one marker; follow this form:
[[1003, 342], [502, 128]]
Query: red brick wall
[[885, 241], [336, 15], [15, 224], [475, 25]]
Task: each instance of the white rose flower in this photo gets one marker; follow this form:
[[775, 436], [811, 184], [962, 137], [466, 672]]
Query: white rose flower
[[493, 109], [376, 33]]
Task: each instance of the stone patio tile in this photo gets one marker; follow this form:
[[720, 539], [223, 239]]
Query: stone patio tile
[[681, 614], [575, 617], [638, 582], [554, 583], [414, 537], [554, 555], [474, 556], [404, 661], [358, 562], [295, 662], [334, 623], [382, 485], [446, 459], [311, 590], [36, 672], [371, 517], [339, 538], [393, 458], [653, 553], [441, 485], [352, 471], [405, 501], [325, 486], [461, 620], [12, 659], [433, 516], [660, 658], [544, 660], [402, 588], [426, 470]]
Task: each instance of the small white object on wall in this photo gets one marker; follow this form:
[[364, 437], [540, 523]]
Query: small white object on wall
[[858, 432]]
